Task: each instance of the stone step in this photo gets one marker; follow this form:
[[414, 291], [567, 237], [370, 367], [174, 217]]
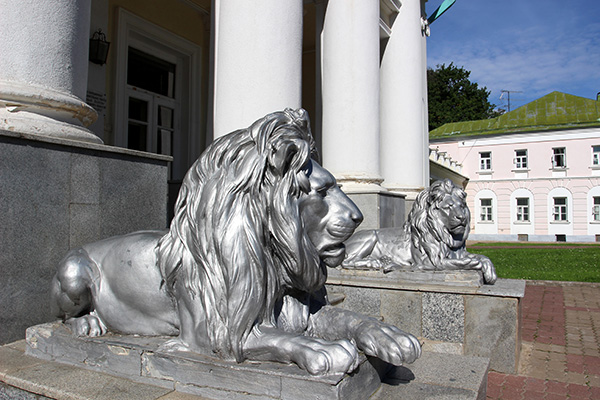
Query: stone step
[[114, 367]]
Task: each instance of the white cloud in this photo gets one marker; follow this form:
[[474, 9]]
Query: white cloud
[[536, 60]]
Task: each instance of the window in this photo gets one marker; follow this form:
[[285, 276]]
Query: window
[[559, 157], [596, 155], [485, 161], [523, 209], [560, 209], [521, 159], [152, 107], [486, 209], [596, 209]]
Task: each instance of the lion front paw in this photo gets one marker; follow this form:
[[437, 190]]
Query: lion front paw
[[387, 343], [88, 325], [320, 357], [488, 270]]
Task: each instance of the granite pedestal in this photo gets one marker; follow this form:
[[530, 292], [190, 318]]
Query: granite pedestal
[[452, 312], [117, 369], [138, 359], [57, 194]]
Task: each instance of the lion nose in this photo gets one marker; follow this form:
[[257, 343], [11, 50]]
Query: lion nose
[[356, 215]]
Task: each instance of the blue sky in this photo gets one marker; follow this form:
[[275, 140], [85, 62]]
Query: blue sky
[[532, 46]]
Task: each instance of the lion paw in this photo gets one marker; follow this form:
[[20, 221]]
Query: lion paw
[[320, 357], [388, 343], [488, 270], [89, 325]]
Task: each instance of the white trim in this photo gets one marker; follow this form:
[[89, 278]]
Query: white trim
[[522, 138]]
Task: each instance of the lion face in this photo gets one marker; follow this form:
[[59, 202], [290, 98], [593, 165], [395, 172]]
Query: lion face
[[328, 215], [454, 214]]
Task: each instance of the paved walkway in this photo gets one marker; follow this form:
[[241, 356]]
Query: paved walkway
[[560, 356]]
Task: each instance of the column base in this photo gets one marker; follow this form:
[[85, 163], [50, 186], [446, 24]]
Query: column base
[[409, 193], [380, 209], [42, 111]]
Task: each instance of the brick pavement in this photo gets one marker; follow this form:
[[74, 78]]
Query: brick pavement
[[560, 356]]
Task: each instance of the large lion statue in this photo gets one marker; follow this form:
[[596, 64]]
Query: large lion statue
[[241, 272], [433, 237]]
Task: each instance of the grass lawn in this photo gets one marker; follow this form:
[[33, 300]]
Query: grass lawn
[[543, 261]]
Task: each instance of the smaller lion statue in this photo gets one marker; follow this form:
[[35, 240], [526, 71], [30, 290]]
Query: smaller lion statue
[[433, 238], [240, 275]]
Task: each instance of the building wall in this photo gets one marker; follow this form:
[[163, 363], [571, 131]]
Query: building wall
[[579, 183]]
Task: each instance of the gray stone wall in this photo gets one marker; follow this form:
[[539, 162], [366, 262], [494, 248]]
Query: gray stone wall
[[449, 313], [56, 195]]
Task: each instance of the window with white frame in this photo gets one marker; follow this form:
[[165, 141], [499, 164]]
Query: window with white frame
[[523, 209], [596, 156], [485, 161], [560, 209], [486, 210], [152, 107], [559, 157], [521, 159], [596, 209]]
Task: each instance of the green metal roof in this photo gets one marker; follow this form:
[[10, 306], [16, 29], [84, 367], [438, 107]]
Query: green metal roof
[[554, 111]]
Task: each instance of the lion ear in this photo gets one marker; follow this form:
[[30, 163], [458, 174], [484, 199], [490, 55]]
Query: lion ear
[[282, 157]]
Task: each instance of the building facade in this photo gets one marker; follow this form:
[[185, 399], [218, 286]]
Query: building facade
[[92, 146], [534, 172]]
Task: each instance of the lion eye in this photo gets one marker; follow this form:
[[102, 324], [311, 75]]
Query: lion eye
[[322, 192]]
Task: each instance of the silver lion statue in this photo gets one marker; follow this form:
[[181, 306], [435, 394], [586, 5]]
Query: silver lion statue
[[433, 238], [240, 274]]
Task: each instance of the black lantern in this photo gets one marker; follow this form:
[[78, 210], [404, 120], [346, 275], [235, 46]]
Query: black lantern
[[99, 48]]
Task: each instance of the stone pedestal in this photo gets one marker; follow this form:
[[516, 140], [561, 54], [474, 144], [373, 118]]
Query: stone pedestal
[[138, 359], [452, 312], [380, 209], [58, 194]]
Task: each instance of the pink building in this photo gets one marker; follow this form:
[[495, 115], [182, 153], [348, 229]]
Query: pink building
[[534, 172]]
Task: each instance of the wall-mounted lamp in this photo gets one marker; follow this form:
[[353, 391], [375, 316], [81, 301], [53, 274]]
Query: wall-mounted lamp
[[99, 48]]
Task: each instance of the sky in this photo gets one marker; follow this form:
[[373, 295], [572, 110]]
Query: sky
[[530, 46]]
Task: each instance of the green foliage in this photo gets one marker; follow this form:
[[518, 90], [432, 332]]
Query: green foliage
[[554, 262], [452, 97]]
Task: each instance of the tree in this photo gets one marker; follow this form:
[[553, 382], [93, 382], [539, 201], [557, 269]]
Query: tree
[[452, 97]]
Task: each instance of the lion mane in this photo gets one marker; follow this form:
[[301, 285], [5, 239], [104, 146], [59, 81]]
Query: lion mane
[[236, 242], [429, 233]]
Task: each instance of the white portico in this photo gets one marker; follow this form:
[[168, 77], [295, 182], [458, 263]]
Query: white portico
[[370, 116]]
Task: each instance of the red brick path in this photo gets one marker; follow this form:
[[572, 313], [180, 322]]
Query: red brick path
[[561, 356]]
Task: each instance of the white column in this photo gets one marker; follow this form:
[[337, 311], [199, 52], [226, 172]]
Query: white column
[[404, 131], [351, 93], [44, 67], [258, 60]]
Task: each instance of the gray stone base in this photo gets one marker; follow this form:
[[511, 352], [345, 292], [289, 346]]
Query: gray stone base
[[58, 194], [85, 371], [451, 312], [437, 376], [138, 359], [380, 210]]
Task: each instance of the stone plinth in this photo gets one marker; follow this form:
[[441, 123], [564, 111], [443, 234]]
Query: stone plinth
[[138, 359], [57, 194], [78, 376], [380, 209], [452, 312]]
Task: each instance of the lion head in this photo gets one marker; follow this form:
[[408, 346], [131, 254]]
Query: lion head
[[439, 220], [256, 216]]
